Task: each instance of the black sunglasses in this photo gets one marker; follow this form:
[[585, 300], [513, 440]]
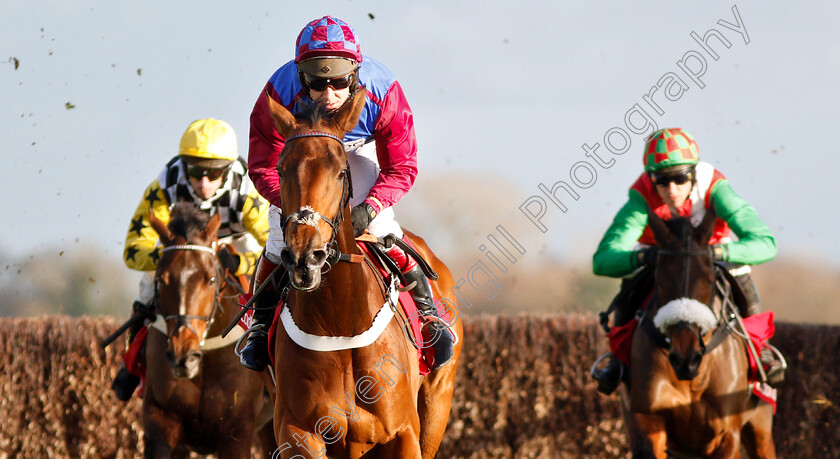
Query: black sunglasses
[[320, 84], [678, 178], [197, 172]]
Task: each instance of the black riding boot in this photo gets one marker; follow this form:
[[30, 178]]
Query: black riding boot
[[125, 383], [773, 365], [254, 355], [435, 331]]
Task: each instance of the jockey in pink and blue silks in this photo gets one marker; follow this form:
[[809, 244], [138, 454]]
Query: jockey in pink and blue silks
[[329, 69], [675, 177]]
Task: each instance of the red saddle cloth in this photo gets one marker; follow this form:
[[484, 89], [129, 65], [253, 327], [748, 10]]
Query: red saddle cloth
[[406, 301], [760, 328], [133, 358]]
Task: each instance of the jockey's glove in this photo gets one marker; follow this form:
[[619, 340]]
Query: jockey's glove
[[361, 216], [719, 252], [229, 260], [647, 256]]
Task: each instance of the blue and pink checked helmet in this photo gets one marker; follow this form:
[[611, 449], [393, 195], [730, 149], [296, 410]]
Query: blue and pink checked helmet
[[327, 36]]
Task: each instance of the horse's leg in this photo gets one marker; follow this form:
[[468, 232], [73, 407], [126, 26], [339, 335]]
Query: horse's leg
[[295, 442], [240, 441], [162, 433], [759, 433], [405, 445], [648, 438], [265, 439], [729, 446], [433, 404]]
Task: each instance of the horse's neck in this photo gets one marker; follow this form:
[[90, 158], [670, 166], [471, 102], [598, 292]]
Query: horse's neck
[[344, 304]]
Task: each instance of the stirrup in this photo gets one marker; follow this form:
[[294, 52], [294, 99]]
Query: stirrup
[[258, 333], [775, 375]]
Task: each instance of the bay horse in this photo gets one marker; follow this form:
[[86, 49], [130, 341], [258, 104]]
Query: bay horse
[[688, 390], [196, 395], [367, 400]]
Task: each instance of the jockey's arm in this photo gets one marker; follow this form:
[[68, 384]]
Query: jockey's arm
[[396, 150], [755, 242], [264, 148], [255, 219], [616, 256], [140, 242]]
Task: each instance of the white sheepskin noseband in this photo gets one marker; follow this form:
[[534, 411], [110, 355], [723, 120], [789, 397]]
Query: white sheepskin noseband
[[685, 310]]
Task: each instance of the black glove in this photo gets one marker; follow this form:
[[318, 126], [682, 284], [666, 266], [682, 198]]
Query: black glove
[[648, 256], [229, 261], [361, 216]]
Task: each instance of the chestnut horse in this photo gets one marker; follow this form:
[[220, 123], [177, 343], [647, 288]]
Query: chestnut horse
[[196, 395], [688, 390], [367, 400]]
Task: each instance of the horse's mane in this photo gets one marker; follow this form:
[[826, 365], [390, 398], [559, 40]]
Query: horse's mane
[[186, 219], [311, 112], [680, 227]]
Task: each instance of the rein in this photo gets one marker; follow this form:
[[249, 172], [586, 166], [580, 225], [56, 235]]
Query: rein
[[308, 216], [723, 327]]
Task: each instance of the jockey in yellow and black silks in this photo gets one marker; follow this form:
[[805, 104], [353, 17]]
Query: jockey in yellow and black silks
[[209, 173]]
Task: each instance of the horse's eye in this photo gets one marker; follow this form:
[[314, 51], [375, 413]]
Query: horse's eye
[[342, 173], [212, 280]]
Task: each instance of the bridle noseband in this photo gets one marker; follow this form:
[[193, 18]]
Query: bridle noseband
[[183, 319], [306, 215]]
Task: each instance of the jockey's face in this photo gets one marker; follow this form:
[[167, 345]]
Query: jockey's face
[[674, 185], [204, 187], [332, 98]]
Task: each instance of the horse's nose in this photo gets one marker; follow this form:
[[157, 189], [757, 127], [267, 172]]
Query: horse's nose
[[191, 359], [289, 261], [316, 259]]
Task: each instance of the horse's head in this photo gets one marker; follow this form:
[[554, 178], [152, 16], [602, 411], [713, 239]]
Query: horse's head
[[685, 288], [314, 185], [187, 283]]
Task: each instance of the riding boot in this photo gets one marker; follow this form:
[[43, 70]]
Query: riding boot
[[626, 303], [435, 330], [254, 356], [125, 383], [773, 365]]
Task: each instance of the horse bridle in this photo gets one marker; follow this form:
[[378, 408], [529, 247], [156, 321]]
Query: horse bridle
[[183, 319], [306, 215], [688, 253]]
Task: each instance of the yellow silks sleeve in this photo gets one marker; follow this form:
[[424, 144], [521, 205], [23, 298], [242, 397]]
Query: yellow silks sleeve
[[141, 252], [255, 219]]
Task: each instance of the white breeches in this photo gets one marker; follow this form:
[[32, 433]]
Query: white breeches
[[364, 169]]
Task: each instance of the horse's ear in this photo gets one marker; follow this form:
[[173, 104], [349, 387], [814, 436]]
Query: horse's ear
[[163, 231], [706, 227], [210, 232], [284, 121], [660, 230], [347, 117]]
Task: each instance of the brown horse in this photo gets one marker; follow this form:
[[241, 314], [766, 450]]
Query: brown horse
[[693, 398], [197, 397], [367, 400]]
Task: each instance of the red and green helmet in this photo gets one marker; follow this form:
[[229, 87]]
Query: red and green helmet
[[670, 147]]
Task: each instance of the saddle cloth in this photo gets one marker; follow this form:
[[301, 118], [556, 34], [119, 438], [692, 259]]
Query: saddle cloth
[[405, 300]]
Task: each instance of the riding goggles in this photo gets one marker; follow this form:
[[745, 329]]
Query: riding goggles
[[678, 178], [197, 172], [320, 84]]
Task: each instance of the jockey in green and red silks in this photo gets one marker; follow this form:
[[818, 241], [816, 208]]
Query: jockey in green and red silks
[[675, 177]]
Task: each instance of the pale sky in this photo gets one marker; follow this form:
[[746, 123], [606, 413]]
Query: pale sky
[[505, 91]]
